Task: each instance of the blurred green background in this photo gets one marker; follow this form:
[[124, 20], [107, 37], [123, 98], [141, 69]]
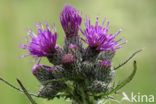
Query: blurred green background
[[137, 18]]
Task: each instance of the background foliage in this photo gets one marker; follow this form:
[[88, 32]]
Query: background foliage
[[136, 17]]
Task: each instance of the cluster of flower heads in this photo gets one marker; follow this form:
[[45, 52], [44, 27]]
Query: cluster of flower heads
[[44, 42], [73, 62]]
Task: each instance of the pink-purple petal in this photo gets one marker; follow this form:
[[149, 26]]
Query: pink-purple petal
[[96, 36], [42, 44]]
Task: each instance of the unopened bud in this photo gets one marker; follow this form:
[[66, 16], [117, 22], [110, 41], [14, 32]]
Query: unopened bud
[[43, 72], [73, 47], [105, 63], [68, 60]]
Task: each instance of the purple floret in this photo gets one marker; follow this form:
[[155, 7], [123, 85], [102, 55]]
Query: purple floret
[[97, 36], [70, 20], [42, 44], [38, 67], [105, 63], [73, 47]]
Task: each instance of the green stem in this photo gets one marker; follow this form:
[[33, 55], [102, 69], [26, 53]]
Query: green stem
[[80, 94]]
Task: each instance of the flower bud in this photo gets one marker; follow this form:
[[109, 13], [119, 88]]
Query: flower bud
[[68, 60], [43, 72], [51, 89], [70, 20], [106, 63], [98, 86], [73, 47]]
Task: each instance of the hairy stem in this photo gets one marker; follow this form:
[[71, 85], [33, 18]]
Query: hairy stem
[[26, 92], [82, 97], [18, 89]]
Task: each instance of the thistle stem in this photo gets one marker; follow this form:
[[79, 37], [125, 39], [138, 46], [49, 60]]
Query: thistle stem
[[18, 89], [26, 92], [80, 96]]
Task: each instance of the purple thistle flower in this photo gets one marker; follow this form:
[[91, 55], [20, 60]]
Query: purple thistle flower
[[97, 37], [42, 44], [105, 63], [70, 20]]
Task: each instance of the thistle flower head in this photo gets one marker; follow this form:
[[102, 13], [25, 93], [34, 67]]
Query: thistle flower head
[[42, 44], [97, 36], [70, 20], [68, 60], [73, 47], [105, 63], [37, 67], [43, 73]]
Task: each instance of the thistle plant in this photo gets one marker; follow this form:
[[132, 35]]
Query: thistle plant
[[82, 74]]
